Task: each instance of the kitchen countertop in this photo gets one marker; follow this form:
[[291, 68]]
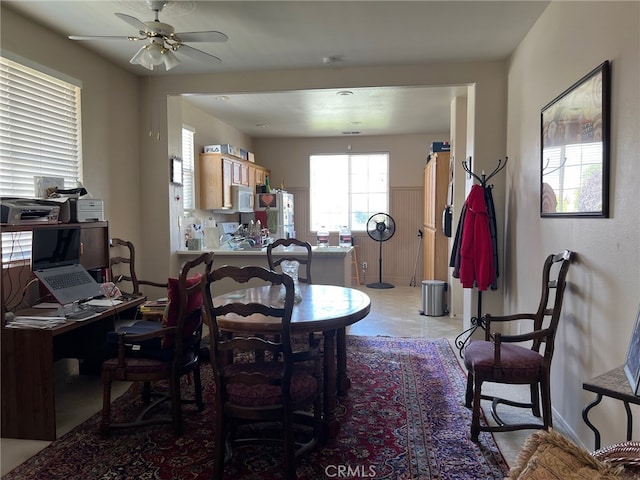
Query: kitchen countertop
[[324, 251]]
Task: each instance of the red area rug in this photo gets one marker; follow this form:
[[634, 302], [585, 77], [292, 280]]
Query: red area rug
[[404, 418]]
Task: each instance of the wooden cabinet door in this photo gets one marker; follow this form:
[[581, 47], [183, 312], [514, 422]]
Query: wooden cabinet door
[[259, 176], [211, 181], [237, 173], [430, 194], [240, 173], [436, 245], [227, 181], [252, 178], [94, 238]]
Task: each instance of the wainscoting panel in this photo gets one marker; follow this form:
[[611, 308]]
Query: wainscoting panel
[[398, 253]]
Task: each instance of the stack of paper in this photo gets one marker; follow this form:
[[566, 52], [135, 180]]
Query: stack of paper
[[33, 321]]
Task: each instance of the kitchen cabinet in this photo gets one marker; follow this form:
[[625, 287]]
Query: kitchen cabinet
[[218, 172], [261, 174], [435, 243], [240, 173]]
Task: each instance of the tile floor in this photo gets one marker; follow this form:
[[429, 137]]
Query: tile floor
[[394, 312]]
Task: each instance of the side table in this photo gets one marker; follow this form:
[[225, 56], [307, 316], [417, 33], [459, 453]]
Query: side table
[[612, 384]]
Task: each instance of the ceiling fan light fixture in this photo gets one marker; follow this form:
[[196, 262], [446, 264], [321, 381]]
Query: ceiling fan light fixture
[[142, 58], [154, 54], [170, 60]]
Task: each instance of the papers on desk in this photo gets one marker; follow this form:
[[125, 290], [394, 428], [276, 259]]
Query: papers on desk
[[34, 321], [103, 302], [46, 305]]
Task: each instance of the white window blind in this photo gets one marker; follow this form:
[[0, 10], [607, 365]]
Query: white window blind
[[188, 189], [39, 136], [347, 189]]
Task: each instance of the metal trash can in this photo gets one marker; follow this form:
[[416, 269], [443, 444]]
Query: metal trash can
[[433, 300]]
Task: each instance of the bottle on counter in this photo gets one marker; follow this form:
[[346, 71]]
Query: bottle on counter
[[323, 237], [344, 237]]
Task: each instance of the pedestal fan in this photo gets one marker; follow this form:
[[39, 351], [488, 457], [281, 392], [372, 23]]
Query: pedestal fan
[[380, 227]]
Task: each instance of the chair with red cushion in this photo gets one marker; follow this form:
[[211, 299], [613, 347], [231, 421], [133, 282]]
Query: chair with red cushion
[[282, 389], [500, 359], [150, 352]]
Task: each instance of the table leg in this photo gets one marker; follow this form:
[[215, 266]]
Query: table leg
[[585, 414], [329, 397], [344, 382]]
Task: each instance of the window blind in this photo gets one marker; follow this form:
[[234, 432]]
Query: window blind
[[39, 136], [188, 190]]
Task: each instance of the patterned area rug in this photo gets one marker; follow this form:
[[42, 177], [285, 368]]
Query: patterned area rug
[[404, 418]]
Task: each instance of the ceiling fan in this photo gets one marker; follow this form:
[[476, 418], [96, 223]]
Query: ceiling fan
[[161, 40]]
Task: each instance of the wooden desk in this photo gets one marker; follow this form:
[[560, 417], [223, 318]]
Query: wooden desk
[[324, 308], [612, 384], [28, 383]]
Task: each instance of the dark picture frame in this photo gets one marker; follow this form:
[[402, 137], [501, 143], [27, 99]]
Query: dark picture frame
[[632, 364], [176, 170], [575, 132]]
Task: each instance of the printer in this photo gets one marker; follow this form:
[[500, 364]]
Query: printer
[[27, 211], [86, 210]]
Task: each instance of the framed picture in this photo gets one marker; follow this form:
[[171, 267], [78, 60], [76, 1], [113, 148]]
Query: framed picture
[[632, 365], [574, 173], [176, 170]]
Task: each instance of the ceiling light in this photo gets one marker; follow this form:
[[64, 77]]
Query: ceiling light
[[344, 92], [261, 125], [170, 60], [154, 54]]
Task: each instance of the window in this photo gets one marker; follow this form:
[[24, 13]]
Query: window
[[188, 190], [39, 136], [347, 189]]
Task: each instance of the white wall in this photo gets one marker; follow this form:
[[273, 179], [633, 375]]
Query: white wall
[[568, 41]]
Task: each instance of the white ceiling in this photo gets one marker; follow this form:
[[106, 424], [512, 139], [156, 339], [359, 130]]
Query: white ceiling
[[279, 35]]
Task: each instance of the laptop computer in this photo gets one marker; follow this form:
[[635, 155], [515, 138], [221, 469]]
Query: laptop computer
[[55, 260]]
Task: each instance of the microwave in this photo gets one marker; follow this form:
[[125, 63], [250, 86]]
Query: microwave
[[242, 198]]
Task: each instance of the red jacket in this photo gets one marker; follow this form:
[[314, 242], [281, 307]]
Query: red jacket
[[476, 248]]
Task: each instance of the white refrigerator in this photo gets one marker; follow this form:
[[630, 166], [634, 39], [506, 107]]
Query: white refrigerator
[[275, 211]]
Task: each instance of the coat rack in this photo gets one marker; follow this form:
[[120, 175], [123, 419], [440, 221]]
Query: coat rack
[[477, 322]]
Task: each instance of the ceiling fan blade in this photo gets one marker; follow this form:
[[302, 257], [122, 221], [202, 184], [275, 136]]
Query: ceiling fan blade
[[211, 36], [133, 21], [94, 37], [197, 54]]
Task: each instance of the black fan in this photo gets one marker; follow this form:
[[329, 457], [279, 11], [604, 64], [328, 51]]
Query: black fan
[[381, 228]]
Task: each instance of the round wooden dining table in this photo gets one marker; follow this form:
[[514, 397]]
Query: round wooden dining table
[[324, 308]]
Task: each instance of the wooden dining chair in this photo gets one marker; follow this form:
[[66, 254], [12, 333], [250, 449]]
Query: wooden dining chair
[[304, 276], [498, 358], [149, 352], [275, 261], [122, 268], [284, 388]]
